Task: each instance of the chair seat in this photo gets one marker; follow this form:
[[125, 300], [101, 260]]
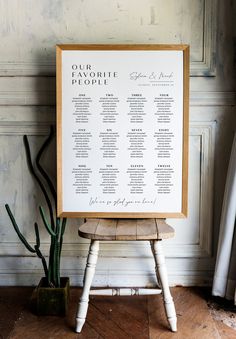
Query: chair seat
[[126, 229]]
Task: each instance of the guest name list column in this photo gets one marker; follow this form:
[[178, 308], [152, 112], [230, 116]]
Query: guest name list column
[[122, 131]]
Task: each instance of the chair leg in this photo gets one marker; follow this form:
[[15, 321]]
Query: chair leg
[[157, 273], [88, 277], [161, 272]]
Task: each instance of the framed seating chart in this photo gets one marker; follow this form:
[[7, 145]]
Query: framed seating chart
[[122, 130]]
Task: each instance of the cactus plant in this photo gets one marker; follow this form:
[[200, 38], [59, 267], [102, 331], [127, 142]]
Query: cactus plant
[[55, 226]]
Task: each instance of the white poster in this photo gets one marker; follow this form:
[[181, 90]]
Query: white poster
[[121, 132]]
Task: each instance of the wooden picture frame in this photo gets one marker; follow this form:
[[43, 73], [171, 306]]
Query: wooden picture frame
[[89, 77]]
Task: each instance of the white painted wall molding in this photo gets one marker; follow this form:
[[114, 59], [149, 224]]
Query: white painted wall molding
[[201, 278], [108, 249], [27, 115], [25, 128], [206, 98], [207, 66], [125, 272], [27, 98], [21, 28], [207, 132]]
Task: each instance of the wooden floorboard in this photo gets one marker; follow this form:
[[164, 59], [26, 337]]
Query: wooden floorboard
[[225, 331], [13, 300], [113, 317], [194, 319], [129, 314]]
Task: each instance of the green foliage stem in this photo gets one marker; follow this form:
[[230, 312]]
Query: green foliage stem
[[56, 226], [41, 185], [20, 235]]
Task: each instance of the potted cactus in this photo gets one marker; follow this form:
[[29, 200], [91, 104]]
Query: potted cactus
[[51, 295]]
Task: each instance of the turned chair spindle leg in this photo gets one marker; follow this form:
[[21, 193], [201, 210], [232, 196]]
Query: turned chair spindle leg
[[157, 273], [161, 273], [88, 277]]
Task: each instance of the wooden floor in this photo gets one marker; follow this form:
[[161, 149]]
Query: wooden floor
[[113, 317]]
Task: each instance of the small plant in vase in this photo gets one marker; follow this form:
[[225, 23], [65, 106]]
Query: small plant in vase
[[52, 292]]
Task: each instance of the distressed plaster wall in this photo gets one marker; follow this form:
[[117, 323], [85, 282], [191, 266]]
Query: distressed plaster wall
[[29, 31]]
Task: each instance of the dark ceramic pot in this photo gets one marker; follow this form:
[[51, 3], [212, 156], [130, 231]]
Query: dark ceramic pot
[[51, 301]]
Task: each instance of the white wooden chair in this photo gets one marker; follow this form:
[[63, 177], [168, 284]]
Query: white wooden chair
[[153, 230]]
